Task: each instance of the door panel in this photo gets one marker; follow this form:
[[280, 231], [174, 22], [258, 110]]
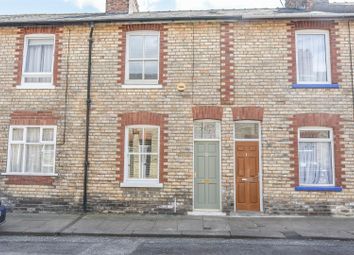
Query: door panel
[[247, 176], [207, 175]]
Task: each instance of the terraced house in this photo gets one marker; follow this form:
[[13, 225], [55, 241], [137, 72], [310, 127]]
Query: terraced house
[[216, 111]]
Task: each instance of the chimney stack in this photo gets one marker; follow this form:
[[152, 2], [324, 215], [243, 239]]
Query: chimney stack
[[121, 6], [299, 4], [307, 5]]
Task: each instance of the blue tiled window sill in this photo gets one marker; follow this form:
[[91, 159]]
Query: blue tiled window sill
[[330, 189], [315, 86]]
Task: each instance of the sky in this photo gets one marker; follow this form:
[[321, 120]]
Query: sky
[[70, 6]]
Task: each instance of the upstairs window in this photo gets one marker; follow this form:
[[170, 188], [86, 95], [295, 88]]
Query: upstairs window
[[31, 150], [316, 161], [38, 60], [142, 58], [313, 57]]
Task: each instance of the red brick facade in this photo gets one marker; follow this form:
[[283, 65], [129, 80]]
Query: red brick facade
[[330, 26], [318, 120], [22, 32], [30, 180], [163, 49], [207, 112], [227, 63], [33, 118], [142, 118], [248, 113]]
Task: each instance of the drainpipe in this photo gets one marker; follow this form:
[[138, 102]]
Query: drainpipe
[[88, 111]]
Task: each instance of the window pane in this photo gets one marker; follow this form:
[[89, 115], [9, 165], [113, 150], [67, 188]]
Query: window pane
[[211, 130], [33, 158], [198, 130], [136, 46], [135, 139], [246, 131], [136, 70], [320, 134], [48, 159], [33, 135], [311, 55], [151, 70], [315, 163], [151, 140], [38, 79], [39, 57], [150, 166], [206, 130], [48, 135], [151, 47], [16, 158], [133, 166], [17, 134]]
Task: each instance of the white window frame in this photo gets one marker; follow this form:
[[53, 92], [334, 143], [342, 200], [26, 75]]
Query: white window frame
[[132, 182], [24, 142], [25, 85], [317, 140], [328, 54], [141, 83]]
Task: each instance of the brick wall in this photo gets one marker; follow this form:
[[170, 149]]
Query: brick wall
[[192, 55]]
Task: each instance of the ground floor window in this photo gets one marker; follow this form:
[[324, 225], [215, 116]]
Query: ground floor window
[[316, 161], [142, 153], [31, 150]]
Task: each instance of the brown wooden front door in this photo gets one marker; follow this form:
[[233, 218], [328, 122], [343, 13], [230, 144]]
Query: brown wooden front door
[[247, 172]]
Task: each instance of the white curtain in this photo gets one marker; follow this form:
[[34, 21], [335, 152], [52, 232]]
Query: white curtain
[[16, 158], [33, 151], [311, 53], [39, 57], [47, 158], [315, 162]]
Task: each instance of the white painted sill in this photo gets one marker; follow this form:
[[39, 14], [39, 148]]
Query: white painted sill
[[29, 175], [147, 86], [35, 86], [141, 185]]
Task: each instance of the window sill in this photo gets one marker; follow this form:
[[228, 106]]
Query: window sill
[[147, 86], [315, 86], [141, 185], [35, 86], [325, 189], [29, 175]]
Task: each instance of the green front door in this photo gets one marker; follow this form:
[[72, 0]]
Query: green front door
[[206, 175]]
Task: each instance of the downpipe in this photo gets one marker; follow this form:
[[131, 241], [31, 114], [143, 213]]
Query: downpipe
[[88, 112]]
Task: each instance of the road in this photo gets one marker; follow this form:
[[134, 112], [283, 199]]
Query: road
[[67, 245]]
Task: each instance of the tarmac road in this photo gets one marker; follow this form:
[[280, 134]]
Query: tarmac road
[[67, 245]]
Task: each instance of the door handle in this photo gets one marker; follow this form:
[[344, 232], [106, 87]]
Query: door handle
[[244, 179]]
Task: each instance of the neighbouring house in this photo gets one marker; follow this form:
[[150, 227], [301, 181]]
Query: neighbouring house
[[179, 112]]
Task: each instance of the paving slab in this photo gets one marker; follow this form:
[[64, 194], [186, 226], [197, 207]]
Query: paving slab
[[37, 223], [190, 224]]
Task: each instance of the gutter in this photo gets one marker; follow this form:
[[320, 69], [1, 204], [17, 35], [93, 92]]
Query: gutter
[[276, 15], [88, 112], [123, 20]]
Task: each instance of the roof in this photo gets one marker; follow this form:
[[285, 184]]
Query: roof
[[168, 16]]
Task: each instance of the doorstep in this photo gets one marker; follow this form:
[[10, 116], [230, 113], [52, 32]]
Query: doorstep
[[206, 213]]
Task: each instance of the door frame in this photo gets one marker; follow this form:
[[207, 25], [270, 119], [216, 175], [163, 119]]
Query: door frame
[[220, 177], [260, 176]]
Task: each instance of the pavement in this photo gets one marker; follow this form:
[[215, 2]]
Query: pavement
[[109, 225]]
